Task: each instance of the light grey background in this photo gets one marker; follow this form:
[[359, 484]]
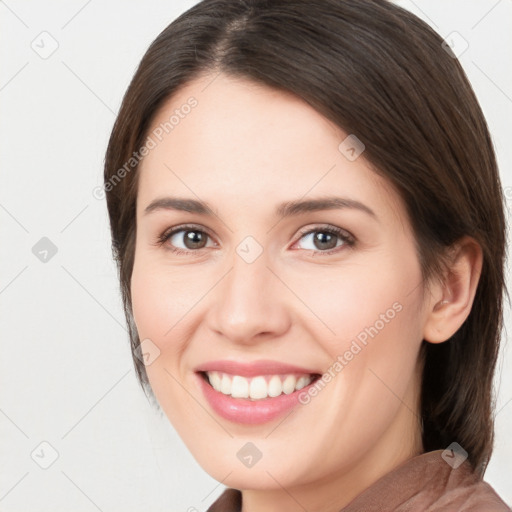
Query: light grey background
[[66, 373]]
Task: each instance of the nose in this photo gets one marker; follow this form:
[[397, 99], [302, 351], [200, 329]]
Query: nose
[[249, 304]]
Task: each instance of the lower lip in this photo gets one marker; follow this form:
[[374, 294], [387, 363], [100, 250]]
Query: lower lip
[[242, 410]]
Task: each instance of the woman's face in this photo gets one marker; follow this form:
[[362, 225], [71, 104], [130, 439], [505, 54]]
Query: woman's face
[[265, 301]]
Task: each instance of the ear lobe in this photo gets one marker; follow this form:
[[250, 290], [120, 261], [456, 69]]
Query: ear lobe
[[454, 297]]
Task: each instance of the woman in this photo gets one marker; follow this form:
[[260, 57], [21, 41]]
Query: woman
[[308, 221]]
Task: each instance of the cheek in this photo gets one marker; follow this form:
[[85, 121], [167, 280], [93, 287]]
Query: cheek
[[155, 312], [160, 305], [376, 297], [160, 300], [370, 328], [372, 355], [168, 307]]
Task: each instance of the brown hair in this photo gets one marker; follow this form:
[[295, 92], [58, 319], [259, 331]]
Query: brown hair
[[378, 72]]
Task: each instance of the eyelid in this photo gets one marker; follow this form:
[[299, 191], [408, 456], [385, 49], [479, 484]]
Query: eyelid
[[328, 228], [184, 227]]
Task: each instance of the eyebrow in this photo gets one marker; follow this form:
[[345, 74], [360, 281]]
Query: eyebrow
[[286, 209]]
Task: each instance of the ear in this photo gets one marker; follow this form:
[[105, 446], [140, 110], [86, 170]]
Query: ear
[[453, 298]]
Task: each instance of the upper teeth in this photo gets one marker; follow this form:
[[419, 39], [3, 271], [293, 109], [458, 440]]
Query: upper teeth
[[257, 387]]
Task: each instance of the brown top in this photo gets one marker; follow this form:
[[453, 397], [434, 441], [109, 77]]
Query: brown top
[[424, 483]]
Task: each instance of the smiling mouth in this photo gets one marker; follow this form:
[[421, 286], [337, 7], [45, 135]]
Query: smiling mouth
[[259, 387]]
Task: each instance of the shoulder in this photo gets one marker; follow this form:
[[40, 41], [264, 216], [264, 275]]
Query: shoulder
[[424, 483], [428, 482], [460, 487], [229, 501], [479, 496]]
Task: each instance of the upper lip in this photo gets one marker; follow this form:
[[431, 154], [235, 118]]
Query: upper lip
[[253, 368]]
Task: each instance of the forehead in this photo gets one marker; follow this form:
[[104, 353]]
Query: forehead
[[252, 144]]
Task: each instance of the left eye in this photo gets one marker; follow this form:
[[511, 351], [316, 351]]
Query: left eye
[[326, 240]]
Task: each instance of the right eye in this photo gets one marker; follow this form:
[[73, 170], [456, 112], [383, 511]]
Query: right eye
[[191, 237]]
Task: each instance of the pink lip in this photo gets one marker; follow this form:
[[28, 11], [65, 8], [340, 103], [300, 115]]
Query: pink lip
[[243, 410], [262, 367]]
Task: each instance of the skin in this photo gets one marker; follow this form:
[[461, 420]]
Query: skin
[[244, 149]]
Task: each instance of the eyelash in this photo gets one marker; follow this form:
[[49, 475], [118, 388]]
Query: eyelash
[[348, 240]]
